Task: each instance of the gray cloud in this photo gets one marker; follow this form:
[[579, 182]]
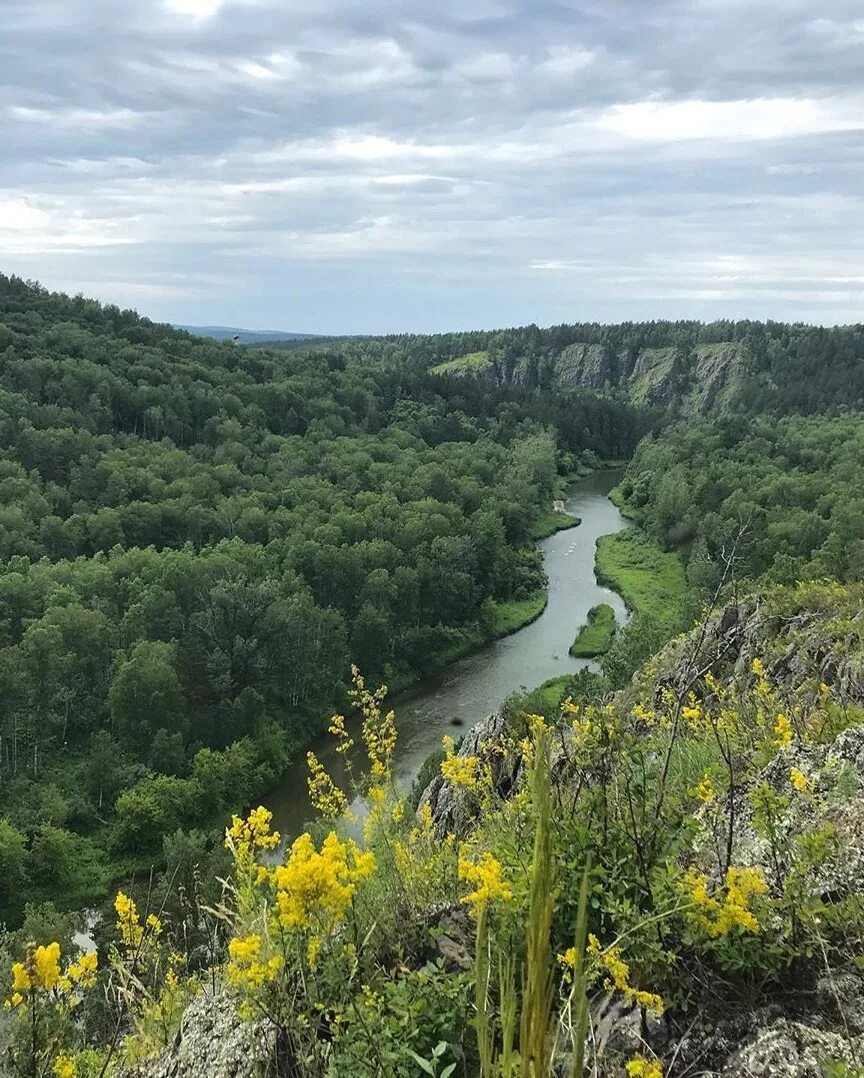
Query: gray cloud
[[399, 164]]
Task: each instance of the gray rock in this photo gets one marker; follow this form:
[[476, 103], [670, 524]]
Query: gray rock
[[213, 1040], [787, 1049], [454, 810]]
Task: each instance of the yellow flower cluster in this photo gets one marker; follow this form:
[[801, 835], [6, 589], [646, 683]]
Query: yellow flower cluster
[[41, 972], [782, 731], [81, 973], [486, 875], [799, 780], [705, 790], [64, 1067], [253, 833], [129, 925], [460, 770], [618, 976], [315, 889], [379, 731], [324, 794], [742, 885], [248, 968], [337, 729], [644, 714], [640, 1067]]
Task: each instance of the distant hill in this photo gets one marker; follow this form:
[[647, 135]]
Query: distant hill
[[246, 336]]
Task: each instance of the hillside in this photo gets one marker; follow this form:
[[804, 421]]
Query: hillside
[[693, 894], [196, 542], [687, 368]]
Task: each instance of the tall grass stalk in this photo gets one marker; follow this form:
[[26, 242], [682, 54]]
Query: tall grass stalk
[[580, 993], [534, 1046]]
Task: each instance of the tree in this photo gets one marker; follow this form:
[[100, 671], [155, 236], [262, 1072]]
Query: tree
[[146, 694]]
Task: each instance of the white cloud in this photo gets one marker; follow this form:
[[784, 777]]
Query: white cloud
[[196, 9], [77, 118], [763, 118], [18, 215]]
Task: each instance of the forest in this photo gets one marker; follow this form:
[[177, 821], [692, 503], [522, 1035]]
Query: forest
[[211, 553], [197, 540]]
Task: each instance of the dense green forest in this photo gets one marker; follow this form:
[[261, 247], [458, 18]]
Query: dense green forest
[[196, 540], [758, 367], [783, 495]]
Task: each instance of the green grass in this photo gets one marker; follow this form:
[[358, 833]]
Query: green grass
[[548, 522], [649, 580], [506, 618], [626, 510], [473, 363], [595, 637], [546, 698]]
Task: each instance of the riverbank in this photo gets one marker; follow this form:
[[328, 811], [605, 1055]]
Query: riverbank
[[499, 620], [529, 647], [651, 581], [595, 636]]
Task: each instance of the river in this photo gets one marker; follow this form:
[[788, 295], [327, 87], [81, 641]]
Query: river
[[469, 690]]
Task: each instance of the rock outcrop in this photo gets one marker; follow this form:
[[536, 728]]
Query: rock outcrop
[[214, 1042]]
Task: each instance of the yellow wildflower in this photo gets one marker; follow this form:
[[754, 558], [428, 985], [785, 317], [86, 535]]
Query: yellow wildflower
[[568, 958], [315, 887], [379, 731], [758, 668], [64, 1067], [128, 922], [490, 885], [643, 714], [82, 972], [20, 977], [640, 1067], [337, 729], [253, 833], [719, 918], [46, 962], [619, 976], [247, 967], [798, 779], [705, 790], [324, 794], [461, 770], [782, 731]]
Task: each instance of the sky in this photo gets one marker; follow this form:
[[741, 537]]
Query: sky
[[365, 166]]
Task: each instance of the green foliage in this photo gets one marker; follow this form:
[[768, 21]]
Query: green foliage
[[549, 522], [196, 539], [473, 363], [505, 618], [782, 494], [651, 581], [595, 637]]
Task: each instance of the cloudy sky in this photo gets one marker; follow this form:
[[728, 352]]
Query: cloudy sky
[[374, 165]]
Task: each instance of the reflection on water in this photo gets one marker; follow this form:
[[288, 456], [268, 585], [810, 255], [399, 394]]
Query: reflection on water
[[474, 687]]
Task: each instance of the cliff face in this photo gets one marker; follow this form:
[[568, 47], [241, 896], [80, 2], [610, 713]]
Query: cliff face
[[706, 380]]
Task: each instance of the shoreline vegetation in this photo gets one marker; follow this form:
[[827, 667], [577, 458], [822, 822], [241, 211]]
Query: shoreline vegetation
[[595, 636], [650, 580]]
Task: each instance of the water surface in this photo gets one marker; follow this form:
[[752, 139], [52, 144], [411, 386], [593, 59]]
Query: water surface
[[469, 690]]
